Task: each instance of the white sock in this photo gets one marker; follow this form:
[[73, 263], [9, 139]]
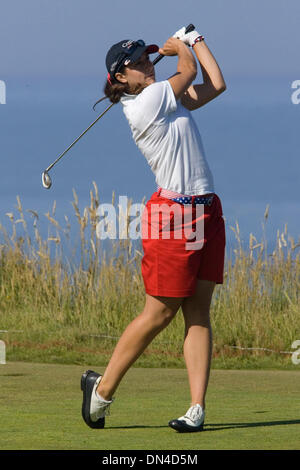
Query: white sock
[[101, 398]]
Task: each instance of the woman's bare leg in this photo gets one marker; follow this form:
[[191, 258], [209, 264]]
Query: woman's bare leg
[[157, 314], [198, 339]]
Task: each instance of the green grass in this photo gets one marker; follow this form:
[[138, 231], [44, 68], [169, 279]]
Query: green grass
[[41, 410], [158, 354]]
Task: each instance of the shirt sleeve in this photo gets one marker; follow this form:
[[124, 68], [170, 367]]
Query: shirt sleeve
[[154, 104]]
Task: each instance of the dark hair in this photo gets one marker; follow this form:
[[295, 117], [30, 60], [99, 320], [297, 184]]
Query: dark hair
[[115, 90]]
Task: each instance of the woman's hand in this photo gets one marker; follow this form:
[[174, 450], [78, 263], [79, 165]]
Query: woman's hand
[[171, 47], [187, 38]]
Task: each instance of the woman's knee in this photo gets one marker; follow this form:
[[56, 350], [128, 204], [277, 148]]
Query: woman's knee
[[161, 311], [194, 315], [197, 307]]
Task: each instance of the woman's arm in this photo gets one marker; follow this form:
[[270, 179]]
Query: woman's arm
[[186, 66], [213, 81]]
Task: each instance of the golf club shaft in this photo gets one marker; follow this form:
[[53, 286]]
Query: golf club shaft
[[188, 29], [81, 135]]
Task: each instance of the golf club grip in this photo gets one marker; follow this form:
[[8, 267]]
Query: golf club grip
[[188, 29]]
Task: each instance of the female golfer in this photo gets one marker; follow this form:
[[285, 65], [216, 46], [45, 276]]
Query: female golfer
[[175, 273]]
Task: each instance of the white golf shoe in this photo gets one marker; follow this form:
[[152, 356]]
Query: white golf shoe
[[94, 408], [192, 421]]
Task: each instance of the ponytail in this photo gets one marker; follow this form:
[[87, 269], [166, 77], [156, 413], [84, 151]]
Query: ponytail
[[113, 91]]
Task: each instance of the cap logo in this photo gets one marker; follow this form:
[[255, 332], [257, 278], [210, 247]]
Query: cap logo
[[127, 44], [113, 66]]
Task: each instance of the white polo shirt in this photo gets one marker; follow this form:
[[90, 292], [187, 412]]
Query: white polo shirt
[[168, 137]]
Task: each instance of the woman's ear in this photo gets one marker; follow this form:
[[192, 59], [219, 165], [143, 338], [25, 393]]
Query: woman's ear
[[121, 77]]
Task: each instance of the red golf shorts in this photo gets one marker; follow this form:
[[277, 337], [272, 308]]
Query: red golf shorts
[[172, 261]]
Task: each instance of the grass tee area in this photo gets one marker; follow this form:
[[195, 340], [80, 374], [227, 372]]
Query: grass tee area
[[59, 318], [41, 409]]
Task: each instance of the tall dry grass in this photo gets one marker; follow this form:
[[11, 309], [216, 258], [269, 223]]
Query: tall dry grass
[[88, 297]]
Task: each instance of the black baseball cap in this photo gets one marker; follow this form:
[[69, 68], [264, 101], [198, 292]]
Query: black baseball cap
[[126, 52]]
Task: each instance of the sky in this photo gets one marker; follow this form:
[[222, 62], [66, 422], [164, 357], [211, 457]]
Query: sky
[[52, 61], [46, 38]]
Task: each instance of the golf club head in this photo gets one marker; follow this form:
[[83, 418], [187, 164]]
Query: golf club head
[[46, 180]]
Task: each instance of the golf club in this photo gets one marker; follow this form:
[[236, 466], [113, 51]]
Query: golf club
[[46, 179]]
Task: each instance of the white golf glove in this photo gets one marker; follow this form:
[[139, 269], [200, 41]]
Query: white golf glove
[[189, 38]]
